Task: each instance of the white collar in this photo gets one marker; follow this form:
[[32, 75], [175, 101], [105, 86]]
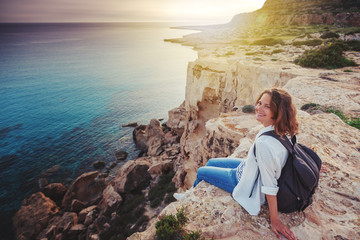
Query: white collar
[[265, 129]]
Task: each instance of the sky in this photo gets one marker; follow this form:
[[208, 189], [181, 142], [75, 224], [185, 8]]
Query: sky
[[197, 11]]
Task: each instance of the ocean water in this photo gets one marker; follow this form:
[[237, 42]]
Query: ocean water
[[66, 89]]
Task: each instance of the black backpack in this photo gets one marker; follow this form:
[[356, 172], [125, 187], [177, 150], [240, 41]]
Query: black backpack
[[299, 176]]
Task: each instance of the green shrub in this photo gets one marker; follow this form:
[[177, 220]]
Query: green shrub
[[268, 42], [354, 122], [329, 35], [338, 113], [252, 53], [310, 107], [329, 57], [353, 32], [158, 192], [180, 215], [229, 53], [351, 121], [353, 45], [312, 42], [168, 228], [171, 227], [277, 51], [248, 109], [348, 70], [129, 219]]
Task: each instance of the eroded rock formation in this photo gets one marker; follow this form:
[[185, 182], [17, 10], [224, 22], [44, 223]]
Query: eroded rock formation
[[304, 12]]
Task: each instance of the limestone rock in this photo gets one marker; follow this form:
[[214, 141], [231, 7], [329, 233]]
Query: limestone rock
[[111, 200], [59, 226], [99, 164], [332, 89], [55, 191], [86, 188], [121, 155], [85, 212], [161, 168], [140, 138], [131, 124], [133, 176], [149, 138], [77, 206], [177, 117], [75, 231], [33, 216], [292, 12]]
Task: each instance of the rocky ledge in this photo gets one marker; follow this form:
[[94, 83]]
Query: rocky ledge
[[336, 207]]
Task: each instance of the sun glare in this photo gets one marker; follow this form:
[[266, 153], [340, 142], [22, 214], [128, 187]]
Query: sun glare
[[211, 11]]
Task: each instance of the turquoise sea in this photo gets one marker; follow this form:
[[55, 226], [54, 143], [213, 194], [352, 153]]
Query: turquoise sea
[[66, 89]]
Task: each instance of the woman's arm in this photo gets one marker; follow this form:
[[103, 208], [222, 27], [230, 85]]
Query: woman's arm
[[276, 225]]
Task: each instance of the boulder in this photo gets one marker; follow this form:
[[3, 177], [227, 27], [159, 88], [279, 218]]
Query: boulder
[[111, 199], [59, 226], [85, 212], [86, 188], [77, 206], [161, 168], [177, 117], [121, 155], [133, 176], [77, 232], [55, 191], [99, 164], [173, 137], [149, 138], [33, 215], [131, 124], [140, 138]]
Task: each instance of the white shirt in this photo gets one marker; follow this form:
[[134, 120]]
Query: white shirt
[[270, 158]]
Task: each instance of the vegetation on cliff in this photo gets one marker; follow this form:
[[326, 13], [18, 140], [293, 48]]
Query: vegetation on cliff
[[163, 189], [129, 219], [352, 121], [171, 227], [268, 42], [330, 57]]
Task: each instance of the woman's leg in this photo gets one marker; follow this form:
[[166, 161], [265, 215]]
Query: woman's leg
[[224, 162], [224, 178]]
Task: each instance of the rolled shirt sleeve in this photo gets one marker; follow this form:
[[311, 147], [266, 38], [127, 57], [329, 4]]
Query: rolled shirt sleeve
[[271, 156]]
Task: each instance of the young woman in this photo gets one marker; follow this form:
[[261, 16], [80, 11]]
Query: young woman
[[275, 110]]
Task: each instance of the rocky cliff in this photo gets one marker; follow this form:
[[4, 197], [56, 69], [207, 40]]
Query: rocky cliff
[[216, 128], [229, 73], [303, 12]]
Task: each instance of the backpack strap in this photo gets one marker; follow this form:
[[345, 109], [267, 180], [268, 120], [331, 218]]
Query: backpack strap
[[284, 140]]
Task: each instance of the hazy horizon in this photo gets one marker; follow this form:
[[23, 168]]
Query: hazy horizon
[[113, 11]]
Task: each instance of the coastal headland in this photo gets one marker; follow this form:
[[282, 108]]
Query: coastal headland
[[236, 61]]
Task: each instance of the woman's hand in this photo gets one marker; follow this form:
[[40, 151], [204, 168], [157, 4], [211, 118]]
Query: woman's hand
[[278, 227]]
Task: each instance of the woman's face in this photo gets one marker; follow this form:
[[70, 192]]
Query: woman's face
[[263, 111]]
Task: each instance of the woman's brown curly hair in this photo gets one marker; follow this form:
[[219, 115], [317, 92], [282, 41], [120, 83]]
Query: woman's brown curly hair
[[284, 111]]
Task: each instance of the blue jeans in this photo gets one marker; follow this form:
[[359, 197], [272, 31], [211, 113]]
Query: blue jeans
[[220, 172]]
